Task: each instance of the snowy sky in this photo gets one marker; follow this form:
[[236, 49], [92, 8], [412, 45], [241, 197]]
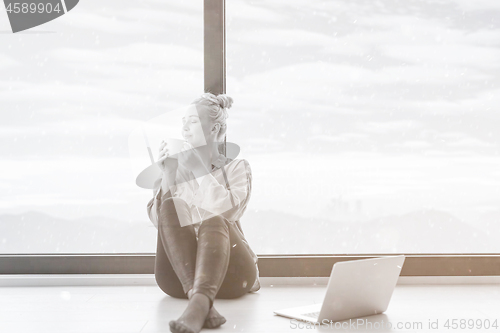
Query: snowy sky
[[392, 103]]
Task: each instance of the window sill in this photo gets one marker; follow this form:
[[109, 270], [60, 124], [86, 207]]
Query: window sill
[[26, 280]]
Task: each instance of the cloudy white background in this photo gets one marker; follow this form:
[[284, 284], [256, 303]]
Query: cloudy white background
[[370, 126]]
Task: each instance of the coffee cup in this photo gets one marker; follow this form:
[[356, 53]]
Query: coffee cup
[[175, 146]]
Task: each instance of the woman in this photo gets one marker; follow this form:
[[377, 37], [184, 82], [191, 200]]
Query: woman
[[202, 253]]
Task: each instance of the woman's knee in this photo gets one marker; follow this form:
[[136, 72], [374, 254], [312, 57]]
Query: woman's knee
[[171, 210], [174, 202], [216, 222]]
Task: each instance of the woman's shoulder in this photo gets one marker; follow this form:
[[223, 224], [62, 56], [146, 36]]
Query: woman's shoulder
[[238, 163]]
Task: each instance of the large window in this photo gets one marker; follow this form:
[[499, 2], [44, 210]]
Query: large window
[[370, 126], [71, 91]]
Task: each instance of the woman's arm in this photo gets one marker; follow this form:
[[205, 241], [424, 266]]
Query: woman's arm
[[168, 182]]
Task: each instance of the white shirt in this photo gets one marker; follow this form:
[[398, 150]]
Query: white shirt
[[208, 195]]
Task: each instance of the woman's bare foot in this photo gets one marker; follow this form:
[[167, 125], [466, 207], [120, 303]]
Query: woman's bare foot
[[214, 318], [193, 318]]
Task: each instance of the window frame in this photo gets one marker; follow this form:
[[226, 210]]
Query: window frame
[[303, 265], [313, 265]]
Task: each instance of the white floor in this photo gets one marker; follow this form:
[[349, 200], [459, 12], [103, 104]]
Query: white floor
[[145, 308]]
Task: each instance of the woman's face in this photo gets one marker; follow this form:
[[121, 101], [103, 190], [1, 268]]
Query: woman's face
[[197, 126]]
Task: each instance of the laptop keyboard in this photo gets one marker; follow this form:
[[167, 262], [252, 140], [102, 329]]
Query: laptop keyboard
[[314, 315]]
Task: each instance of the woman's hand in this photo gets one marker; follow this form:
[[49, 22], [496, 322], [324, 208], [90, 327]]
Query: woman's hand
[[167, 165]]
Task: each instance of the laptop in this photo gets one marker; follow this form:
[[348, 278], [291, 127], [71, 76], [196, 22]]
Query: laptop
[[356, 288]]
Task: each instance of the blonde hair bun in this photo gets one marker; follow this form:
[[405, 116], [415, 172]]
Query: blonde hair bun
[[216, 106], [225, 101]]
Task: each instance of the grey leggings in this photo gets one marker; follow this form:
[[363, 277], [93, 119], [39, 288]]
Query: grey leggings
[[241, 270]]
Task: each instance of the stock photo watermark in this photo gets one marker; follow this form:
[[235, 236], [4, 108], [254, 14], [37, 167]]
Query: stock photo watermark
[[431, 324], [26, 14]]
